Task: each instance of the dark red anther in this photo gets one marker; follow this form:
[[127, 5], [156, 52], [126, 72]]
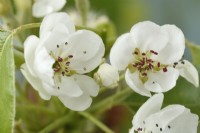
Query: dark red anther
[[67, 63], [165, 69], [60, 59], [136, 53], [135, 65], [153, 52], [143, 54], [63, 73], [70, 56], [56, 69], [150, 66], [158, 64], [144, 74]]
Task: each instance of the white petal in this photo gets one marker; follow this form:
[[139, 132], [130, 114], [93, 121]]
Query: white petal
[[151, 106], [162, 81], [163, 117], [87, 49], [189, 72], [132, 79], [43, 66], [175, 47], [35, 82], [52, 21], [149, 36], [87, 84], [68, 87], [54, 42], [185, 123], [30, 45], [108, 75], [76, 103], [121, 52], [44, 7]]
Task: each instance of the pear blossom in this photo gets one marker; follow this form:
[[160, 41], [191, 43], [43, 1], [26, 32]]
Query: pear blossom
[[56, 63], [107, 75], [152, 57], [150, 118], [42, 8]]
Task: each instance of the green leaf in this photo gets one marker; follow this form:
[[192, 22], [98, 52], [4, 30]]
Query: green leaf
[[7, 92], [195, 52]]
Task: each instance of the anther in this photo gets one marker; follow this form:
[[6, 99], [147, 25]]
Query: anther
[[84, 69], [84, 52], [153, 52], [66, 43], [57, 46], [158, 64], [169, 126], [63, 73], [182, 62], [164, 69], [56, 69], [67, 63], [143, 54], [70, 56], [136, 53], [58, 87], [175, 63], [156, 125], [160, 129], [60, 59], [144, 74]]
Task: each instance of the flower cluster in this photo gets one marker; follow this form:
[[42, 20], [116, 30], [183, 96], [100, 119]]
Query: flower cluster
[[61, 60]]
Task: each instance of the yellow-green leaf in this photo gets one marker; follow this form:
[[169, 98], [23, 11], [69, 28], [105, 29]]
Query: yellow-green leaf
[[7, 92]]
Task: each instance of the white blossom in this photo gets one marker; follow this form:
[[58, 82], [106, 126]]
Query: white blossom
[[150, 118], [108, 75], [150, 54], [42, 8], [55, 63]]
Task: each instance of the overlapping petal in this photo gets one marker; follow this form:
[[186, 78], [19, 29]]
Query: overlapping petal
[[132, 79], [162, 81], [151, 106], [121, 53], [53, 22]]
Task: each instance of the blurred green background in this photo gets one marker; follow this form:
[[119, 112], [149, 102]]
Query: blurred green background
[[124, 13]]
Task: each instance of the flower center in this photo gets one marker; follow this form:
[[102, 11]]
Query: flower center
[[61, 65], [144, 64]]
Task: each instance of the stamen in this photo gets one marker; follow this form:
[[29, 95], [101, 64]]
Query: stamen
[[66, 43], [144, 74], [182, 62], [56, 69], [57, 46], [60, 59], [63, 73], [153, 52], [84, 52], [158, 64], [164, 69], [136, 53], [70, 56], [67, 63], [143, 54]]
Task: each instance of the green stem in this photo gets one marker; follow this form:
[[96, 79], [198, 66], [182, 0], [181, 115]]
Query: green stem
[[57, 123], [108, 102], [96, 122]]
